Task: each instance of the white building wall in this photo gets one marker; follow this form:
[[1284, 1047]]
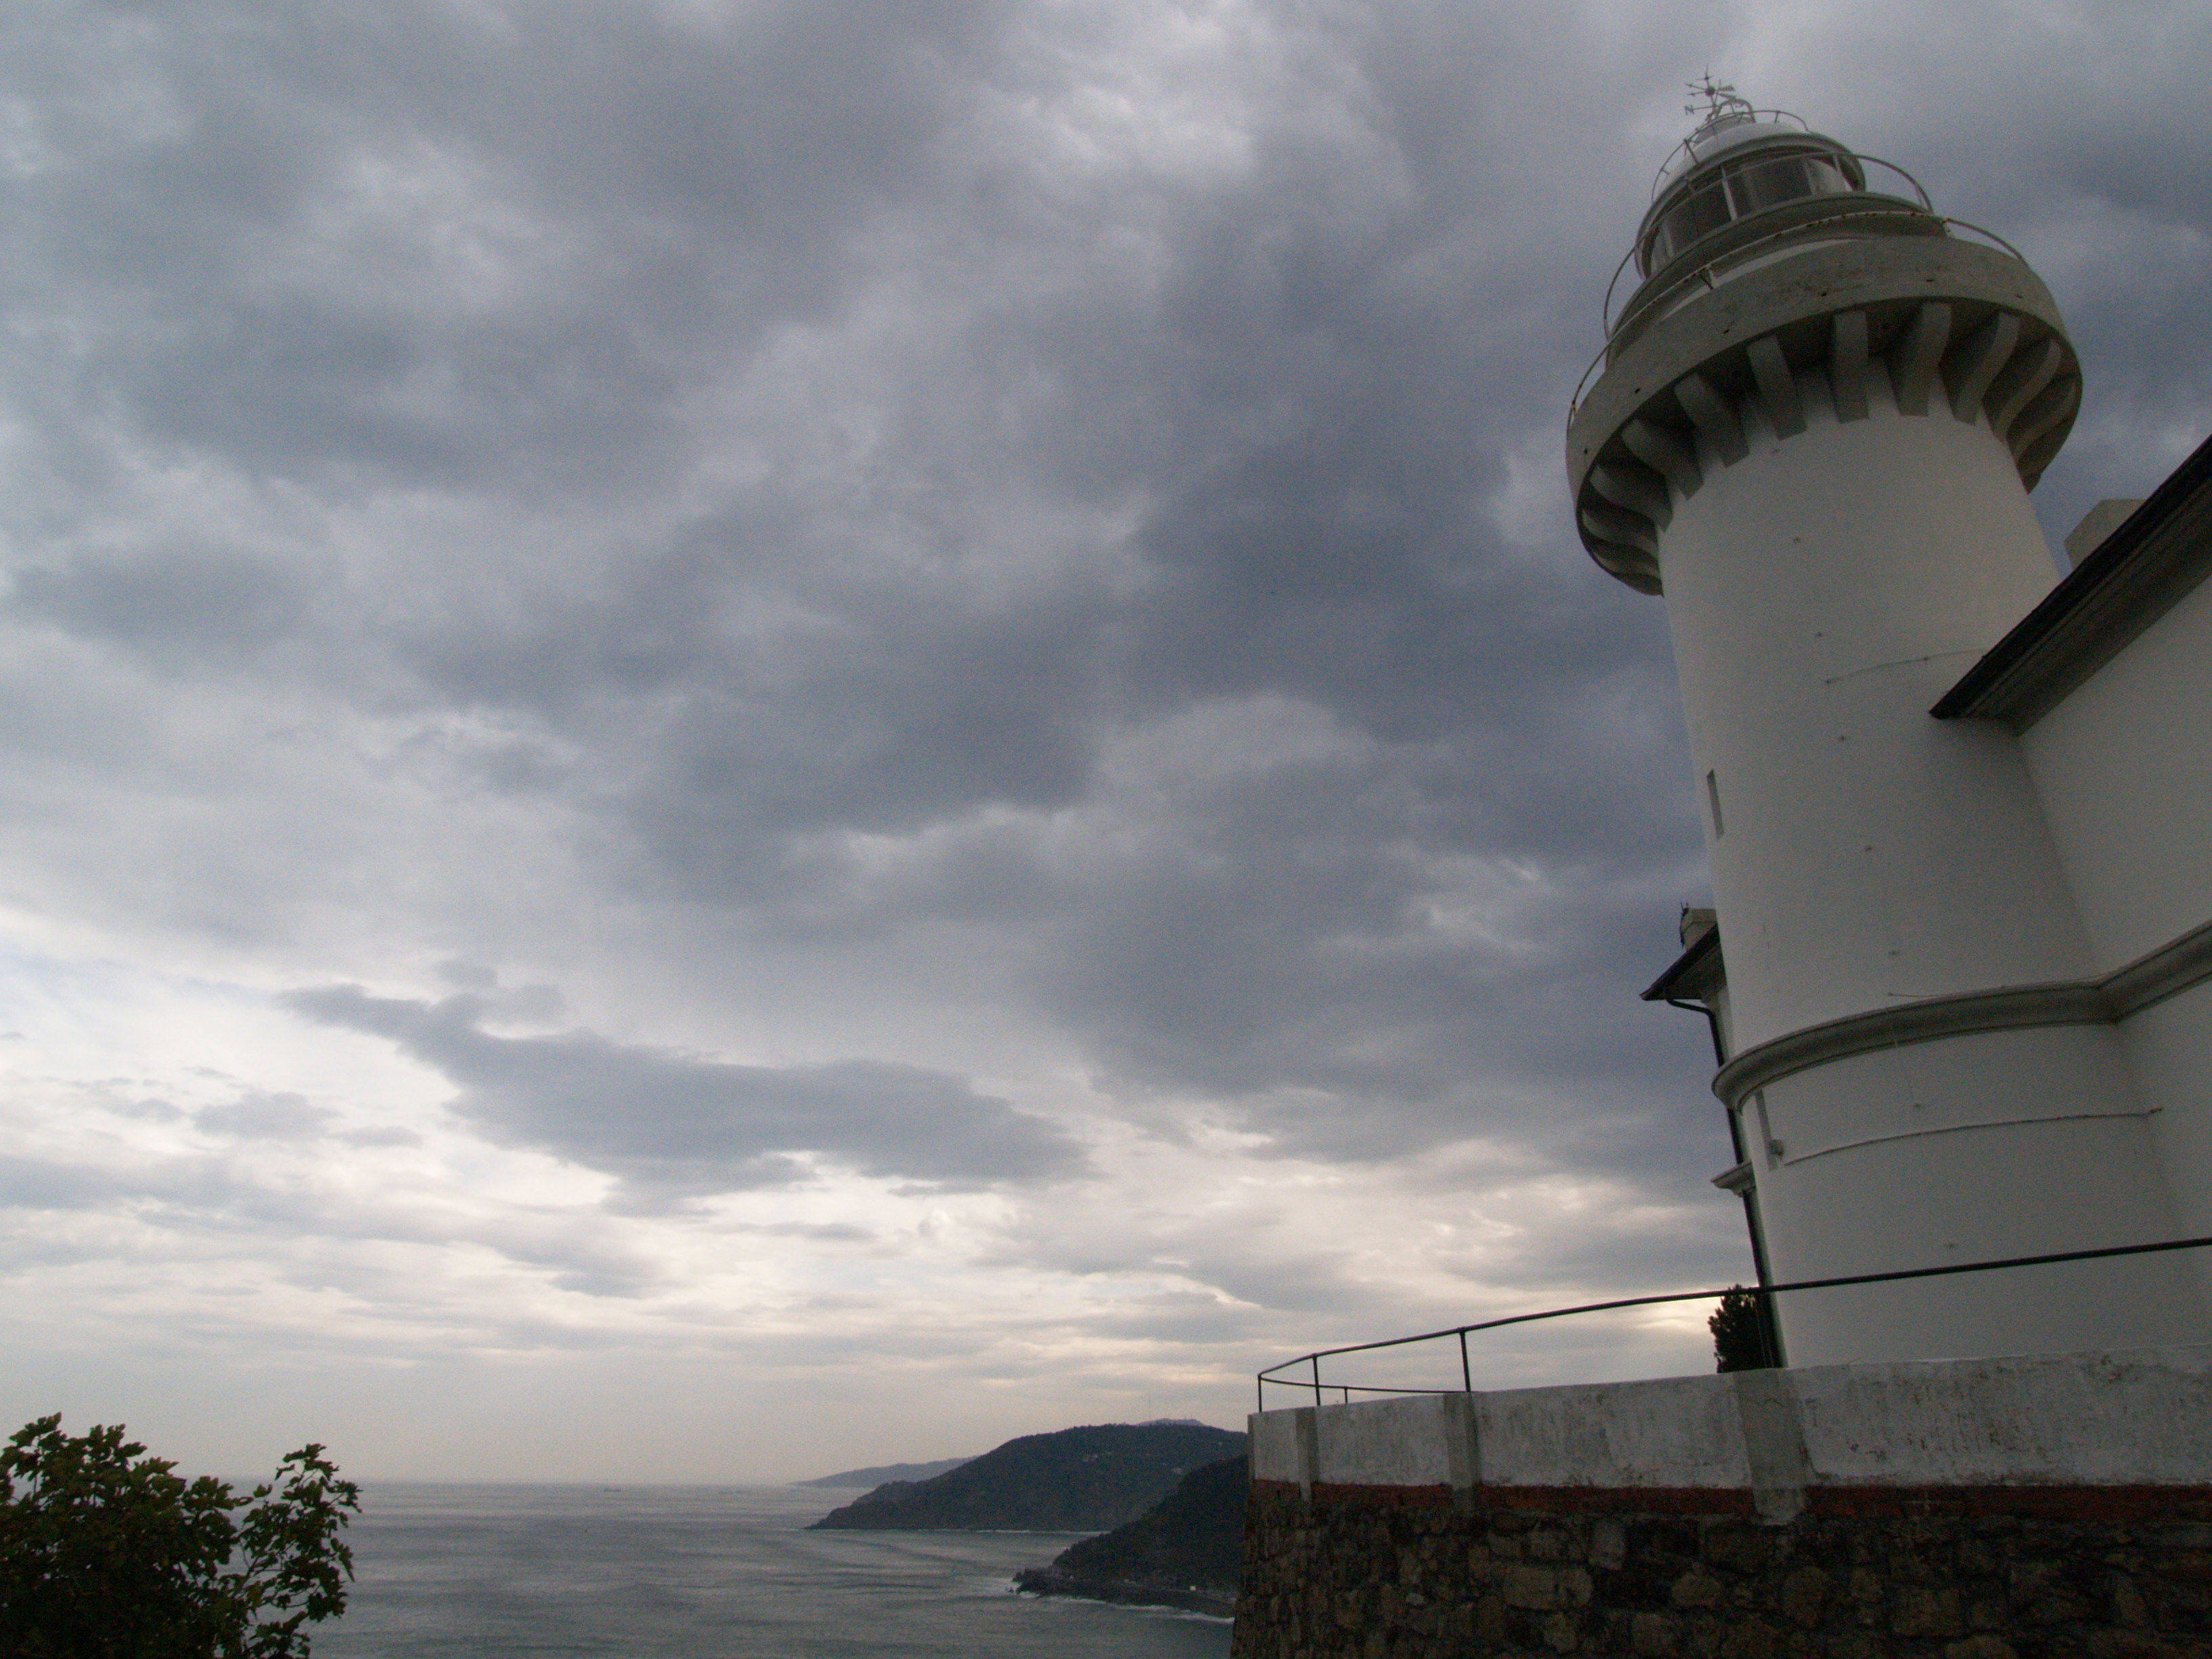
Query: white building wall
[[2123, 769]]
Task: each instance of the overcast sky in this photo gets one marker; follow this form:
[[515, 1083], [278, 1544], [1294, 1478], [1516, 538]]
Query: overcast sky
[[742, 737]]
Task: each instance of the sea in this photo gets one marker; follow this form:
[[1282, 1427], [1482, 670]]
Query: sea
[[707, 1572]]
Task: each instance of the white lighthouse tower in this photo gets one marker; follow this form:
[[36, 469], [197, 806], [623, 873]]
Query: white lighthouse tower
[[1819, 416]]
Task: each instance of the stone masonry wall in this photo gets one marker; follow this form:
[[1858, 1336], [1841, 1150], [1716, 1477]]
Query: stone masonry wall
[[2034, 1573]]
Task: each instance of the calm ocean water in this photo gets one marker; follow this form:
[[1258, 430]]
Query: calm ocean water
[[708, 1572]]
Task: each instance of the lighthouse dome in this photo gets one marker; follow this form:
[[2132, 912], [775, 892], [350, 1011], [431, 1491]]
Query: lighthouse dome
[[1740, 165], [1745, 187], [1766, 260]]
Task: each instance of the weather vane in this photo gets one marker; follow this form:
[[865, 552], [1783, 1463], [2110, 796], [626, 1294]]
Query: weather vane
[[1720, 98]]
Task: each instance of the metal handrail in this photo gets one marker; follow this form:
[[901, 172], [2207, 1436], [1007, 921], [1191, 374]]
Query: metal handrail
[[1605, 311], [1918, 189], [1776, 116], [1575, 403], [1984, 230], [1312, 1360], [1705, 272]]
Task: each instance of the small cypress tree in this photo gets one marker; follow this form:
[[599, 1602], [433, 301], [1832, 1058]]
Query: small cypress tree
[[1739, 1329]]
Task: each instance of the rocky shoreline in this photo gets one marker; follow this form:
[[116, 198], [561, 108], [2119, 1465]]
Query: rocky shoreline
[[1183, 1553], [1050, 1581]]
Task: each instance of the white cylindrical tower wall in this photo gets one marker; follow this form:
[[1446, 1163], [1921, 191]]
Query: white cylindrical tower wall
[[1821, 451], [1822, 593]]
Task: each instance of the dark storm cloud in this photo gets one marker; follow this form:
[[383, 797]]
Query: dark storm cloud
[[1347, 342], [1344, 342], [902, 722], [176, 606], [450, 245], [1285, 942], [673, 1126]]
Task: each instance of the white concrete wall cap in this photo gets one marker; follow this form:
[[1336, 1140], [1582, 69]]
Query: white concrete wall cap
[[1273, 1447], [1422, 1441], [1676, 1431], [2135, 1417]]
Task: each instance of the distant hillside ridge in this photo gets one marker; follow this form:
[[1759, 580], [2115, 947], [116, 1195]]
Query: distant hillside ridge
[[883, 1473], [1082, 1479], [1184, 1551]]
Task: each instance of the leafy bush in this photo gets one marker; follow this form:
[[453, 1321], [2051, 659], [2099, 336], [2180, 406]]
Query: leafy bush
[[104, 1553]]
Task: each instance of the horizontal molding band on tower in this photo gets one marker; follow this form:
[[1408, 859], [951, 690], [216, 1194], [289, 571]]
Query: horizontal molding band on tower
[[1955, 328], [2165, 972]]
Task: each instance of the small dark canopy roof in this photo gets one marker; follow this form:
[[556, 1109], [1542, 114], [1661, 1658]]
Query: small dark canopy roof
[[1695, 975]]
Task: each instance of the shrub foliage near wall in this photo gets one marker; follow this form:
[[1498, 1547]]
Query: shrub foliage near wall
[[1349, 1577]]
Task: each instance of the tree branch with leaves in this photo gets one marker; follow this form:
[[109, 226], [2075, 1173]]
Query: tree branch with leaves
[[108, 1553]]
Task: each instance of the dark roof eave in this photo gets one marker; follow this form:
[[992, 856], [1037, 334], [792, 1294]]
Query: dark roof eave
[[1695, 973], [2157, 556]]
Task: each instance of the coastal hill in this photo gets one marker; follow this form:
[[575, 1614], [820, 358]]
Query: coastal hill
[[1183, 1553], [1081, 1480], [881, 1474]]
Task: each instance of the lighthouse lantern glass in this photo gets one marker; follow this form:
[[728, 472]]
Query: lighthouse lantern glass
[[1738, 189]]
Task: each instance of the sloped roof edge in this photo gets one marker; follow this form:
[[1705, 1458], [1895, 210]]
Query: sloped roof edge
[[2157, 556]]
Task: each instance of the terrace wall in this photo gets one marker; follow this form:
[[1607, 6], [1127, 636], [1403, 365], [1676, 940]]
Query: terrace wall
[[1974, 1510]]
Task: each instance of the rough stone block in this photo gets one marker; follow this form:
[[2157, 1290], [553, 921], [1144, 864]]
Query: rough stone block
[[1923, 1611], [1751, 1639], [1740, 1549], [1608, 1546], [2127, 1644], [1805, 1596], [1490, 1621], [1534, 1587], [2128, 1608], [1697, 1589]]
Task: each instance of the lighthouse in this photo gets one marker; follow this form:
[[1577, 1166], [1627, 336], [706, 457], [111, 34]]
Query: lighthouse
[[1819, 413]]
